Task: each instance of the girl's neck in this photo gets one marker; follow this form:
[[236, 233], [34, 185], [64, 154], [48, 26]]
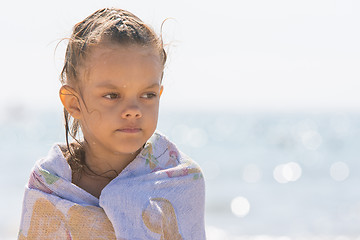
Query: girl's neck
[[104, 163]]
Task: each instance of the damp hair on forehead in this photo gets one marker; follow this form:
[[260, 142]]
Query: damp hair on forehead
[[104, 27]]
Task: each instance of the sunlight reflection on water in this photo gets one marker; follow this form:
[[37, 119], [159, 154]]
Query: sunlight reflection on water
[[289, 172], [339, 171], [240, 206], [251, 173]]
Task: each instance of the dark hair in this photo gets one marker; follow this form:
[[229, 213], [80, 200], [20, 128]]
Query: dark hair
[[108, 25]]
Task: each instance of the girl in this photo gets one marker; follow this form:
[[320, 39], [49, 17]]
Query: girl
[[122, 180]]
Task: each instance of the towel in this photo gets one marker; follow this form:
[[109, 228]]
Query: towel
[[159, 195]]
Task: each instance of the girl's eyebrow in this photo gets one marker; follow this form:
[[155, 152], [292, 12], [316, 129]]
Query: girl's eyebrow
[[106, 85], [154, 85], [112, 86]]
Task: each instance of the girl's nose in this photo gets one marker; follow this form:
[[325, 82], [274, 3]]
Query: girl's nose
[[131, 112]]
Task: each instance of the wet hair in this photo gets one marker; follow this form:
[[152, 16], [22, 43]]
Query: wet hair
[[105, 26]]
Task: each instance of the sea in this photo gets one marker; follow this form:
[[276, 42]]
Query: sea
[[269, 175]]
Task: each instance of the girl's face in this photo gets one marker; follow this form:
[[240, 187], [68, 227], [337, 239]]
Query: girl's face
[[121, 88]]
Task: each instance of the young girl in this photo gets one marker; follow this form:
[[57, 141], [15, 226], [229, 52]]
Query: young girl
[[122, 179]]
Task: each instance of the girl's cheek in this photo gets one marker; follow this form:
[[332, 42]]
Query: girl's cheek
[[152, 109]]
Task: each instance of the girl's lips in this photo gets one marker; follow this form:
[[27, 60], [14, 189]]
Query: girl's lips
[[130, 130]]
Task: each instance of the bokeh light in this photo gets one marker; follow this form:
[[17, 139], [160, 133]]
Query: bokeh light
[[289, 172], [194, 137], [339, 171], [311, 139], [240, 206], [251, 173]]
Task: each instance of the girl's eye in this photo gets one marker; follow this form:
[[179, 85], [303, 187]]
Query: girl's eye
[[148, 95], [111, 96]]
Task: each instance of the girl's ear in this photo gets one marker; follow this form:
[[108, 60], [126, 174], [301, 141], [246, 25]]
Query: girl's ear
[[161, 90], [70, 100]]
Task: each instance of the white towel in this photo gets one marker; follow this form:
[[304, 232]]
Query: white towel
[[159, 195]]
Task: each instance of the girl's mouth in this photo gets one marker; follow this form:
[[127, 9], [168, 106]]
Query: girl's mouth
[[129, 130]]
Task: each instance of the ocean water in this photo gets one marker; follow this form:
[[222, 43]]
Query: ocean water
[[268, 175]]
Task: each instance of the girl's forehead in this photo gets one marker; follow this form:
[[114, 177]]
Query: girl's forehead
[[113, 51], [124, 57], [116, 62]]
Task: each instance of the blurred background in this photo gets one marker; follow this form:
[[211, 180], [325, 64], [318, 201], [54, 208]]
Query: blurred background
[[264, 95]]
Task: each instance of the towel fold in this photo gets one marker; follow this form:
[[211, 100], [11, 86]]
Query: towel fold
[[159, 195]]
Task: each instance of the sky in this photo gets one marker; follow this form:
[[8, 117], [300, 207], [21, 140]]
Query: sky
[[244, 55]]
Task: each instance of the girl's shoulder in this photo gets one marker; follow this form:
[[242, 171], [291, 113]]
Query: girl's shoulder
[[55, 162], [161, 154]]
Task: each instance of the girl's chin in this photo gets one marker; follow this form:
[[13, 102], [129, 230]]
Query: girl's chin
[[128, 151]]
